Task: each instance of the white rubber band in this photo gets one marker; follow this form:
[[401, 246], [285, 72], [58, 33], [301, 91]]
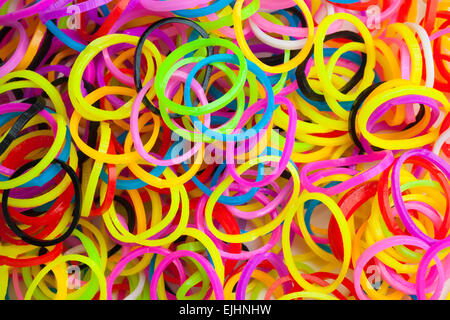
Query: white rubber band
[[428, 52], [274, 42], [137, 292], [440, 141]]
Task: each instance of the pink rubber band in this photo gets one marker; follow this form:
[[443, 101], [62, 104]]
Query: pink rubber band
[[25, 12], [178, 75], [383, 244], [118, 268], [172, 5], [15, 59], [211, 272], [423, 266], [385, 159], [200, 224]]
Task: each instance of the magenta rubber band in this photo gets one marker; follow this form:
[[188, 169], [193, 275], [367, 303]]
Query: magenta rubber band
[[15, 59], [385, 159], [251, 265]]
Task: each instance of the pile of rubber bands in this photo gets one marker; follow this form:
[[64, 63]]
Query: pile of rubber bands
[[219, 149]]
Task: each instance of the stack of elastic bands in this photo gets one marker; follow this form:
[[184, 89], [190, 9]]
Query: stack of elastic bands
[[218, 149]]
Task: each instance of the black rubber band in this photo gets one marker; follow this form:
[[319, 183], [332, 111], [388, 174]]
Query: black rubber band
[[286, 175], [4, 32], [18, 93], [419, 118], [131, 221], [299, 14], [76, 214], [38, 105], [41, 252], [278, 59], [168, 289], [32, 213], [56, 83], [42, 51], [180, 239], [353, 112], [23, 119], [301, 76], [138, 54]]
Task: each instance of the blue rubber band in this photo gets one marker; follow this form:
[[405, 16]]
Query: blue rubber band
[[64, 37], [105, 10], [4, 118], [346, 105]]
